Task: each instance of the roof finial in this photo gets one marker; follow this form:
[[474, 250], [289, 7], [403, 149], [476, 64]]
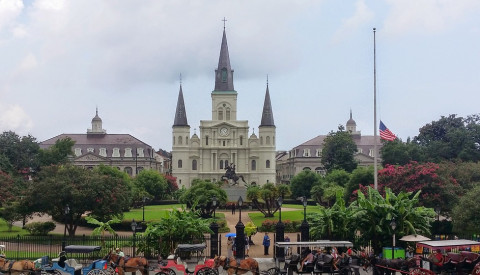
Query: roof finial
[[180, 78], [267, 79], [350, 113], [253, 129], [224, 20], [96, 110], [194, 131]]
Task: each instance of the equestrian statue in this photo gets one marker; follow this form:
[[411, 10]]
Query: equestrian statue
[[231, 175]]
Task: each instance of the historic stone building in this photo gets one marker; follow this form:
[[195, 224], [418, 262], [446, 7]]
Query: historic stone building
[[307, 156], [224, 140], [123, 151]]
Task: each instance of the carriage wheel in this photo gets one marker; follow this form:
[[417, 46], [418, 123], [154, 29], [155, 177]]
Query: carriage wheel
[[110, 270], [96, 272], [271, 271], [167, 271], [207, 271]]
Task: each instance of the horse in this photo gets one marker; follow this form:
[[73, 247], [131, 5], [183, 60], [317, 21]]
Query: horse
[[230, 265], [16, 267], [388, 266], [125, 264]]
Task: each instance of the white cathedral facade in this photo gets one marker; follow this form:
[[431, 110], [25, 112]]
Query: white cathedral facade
[[223, 141]]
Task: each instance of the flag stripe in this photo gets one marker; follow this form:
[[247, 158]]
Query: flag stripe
[[385, 133]]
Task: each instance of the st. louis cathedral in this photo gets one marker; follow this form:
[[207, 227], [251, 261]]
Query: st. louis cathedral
[[223, 142]]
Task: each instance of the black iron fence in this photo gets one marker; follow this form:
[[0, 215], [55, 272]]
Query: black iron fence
[[34, 247]]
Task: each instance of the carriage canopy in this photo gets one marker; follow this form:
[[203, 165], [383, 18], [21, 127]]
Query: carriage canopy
[[450, 245]]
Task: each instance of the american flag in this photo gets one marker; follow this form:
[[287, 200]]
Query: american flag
[[385, 133]]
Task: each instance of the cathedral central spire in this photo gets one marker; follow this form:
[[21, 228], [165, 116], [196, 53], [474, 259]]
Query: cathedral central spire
[[224, 73]]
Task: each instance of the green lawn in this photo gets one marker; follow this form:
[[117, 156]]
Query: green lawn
[[257, 217], [15, 230], [155, 212]]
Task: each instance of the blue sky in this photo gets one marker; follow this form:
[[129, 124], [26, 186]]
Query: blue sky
[[62, 59]]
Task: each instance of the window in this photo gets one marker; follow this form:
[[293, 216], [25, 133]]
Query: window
[[128, 170], [194, 164], [359, 150], [318, 152], [128, 152], [224, 143], [306, 168], [140, 152], [371, 153], [221, 164], [173, 140], [241, 140], [179, 163], [186, 140], [224, 75], [116, 153], [268, 140], [267, 164], [254, 165], [78, 152], [180, 141], [306, 152], [89, 150], [103, 152], [227, 114], [220, 114], [261, 140], [206, 140]]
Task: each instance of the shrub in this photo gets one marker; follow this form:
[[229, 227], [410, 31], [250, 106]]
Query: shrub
[[269, 226], [40, 228]]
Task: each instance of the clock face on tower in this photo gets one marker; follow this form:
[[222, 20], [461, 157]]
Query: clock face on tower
[[224, 131]]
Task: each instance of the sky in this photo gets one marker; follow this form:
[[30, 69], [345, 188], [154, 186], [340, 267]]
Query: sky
[[60, 60]]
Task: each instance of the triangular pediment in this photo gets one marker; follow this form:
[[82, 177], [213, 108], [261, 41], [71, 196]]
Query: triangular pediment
[[226, 124], [91, 157]]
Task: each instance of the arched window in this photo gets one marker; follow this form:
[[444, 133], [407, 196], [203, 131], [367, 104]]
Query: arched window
[[179, 140], [173, 140], [241, 140], [220, 114], [268, 140], [179, 163], [267, 164], [221, 164], [254, 165], [261, 140], [206, 140], [227, 114], [194, 164], [186, 140], [226, 163]]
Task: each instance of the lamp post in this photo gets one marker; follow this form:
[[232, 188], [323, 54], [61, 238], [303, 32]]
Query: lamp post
[[304, 227], [133, 225], [66, 211], [393, 224], [143, 211], [214, 227], [240, 232], [279, 231]]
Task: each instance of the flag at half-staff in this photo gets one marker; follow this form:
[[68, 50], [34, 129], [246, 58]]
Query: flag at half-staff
[[385, 133]]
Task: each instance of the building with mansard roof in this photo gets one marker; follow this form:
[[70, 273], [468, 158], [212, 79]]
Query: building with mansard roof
[[308, 155], [123, 151], [223, 140]]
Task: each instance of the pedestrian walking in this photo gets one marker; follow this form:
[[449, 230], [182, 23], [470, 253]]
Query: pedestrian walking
[[229, 247], [247, 246], [266, 243], [233, 208]]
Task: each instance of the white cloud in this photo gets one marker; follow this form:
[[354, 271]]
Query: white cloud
[[361, 16], [428, 15], [14, 118], [9, 10]]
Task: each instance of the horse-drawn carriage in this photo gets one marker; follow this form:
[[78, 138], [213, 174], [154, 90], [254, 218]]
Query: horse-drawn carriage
[[70, 266], [322, 262], [188, 259]]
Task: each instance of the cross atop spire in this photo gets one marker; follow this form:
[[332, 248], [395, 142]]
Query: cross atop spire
[[224, 20]]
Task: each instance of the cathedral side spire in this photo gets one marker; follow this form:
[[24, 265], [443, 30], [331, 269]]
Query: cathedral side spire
[[224, 73], [267, 114], [180, 113]]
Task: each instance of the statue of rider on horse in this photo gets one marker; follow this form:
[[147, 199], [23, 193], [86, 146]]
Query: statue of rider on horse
[[231, 175]]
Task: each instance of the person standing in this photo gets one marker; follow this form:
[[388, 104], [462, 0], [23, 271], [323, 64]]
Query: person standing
[[266, 243], [247, 246], [229, 247], [233, 208]]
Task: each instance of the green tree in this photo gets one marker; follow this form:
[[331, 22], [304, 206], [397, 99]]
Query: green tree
[[338, 150], [82, 190], [284, 190], [102, 227], [21, 152], [178, 226], [465, 213], [339, 177], [303, 182], [372, 214], [7, 193], [58, 153], [397, 152], [199, 197], [264, 198], [362, 176], [152, 182]]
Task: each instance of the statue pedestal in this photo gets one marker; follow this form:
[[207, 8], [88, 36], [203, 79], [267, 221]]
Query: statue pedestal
[[235, 191]]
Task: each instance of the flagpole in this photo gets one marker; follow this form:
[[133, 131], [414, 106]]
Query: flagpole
[[375, 179]]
